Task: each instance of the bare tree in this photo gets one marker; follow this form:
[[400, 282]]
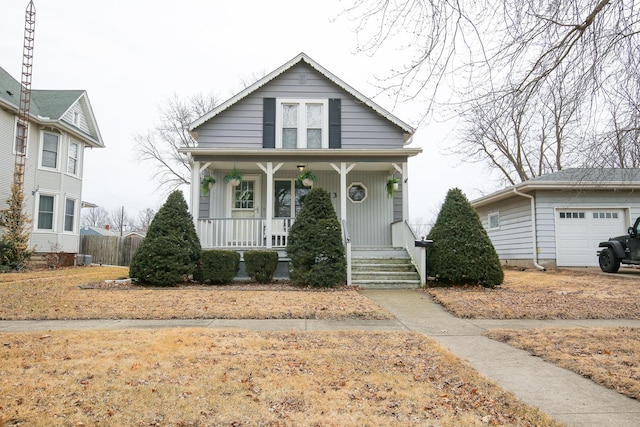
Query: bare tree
[[95, 217], [530, 78], [145, 217], [160, 145], [120, 220]]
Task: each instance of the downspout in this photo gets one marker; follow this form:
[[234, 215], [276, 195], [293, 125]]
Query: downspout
[[533, 227]]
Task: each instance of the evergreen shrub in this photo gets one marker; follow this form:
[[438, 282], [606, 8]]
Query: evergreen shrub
[[219, 267], [462, 252], [170, 252], [315, 245], [261, 265]]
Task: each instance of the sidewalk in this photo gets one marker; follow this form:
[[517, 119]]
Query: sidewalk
[[565, 396], [562, 394]]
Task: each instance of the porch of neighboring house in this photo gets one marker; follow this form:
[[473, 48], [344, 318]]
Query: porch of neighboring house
[[258, 214]]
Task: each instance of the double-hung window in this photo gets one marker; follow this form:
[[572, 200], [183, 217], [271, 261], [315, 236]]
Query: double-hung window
[[72, 161], [302, 123], [45, 212], [21, 139], [50, 145], [69, 214]]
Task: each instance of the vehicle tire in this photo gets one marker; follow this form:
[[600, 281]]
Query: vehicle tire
[[609, 262]]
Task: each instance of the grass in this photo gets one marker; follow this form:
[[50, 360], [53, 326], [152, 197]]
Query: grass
[[608, 356], [560, 294], [200, 377], [57, 295]]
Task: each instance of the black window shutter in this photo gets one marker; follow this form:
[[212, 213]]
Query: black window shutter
[[269, 123], [335, 131]]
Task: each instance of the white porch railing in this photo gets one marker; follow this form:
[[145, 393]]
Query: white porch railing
[[242, 232], [402, 235]]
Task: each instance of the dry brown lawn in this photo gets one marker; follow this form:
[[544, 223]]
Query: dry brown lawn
[[58, 294], [608, 356], [200, 377], [558, 294]]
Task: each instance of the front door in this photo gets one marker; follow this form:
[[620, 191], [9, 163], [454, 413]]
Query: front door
[[246, 226]]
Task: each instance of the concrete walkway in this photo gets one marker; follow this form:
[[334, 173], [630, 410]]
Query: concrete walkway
[[565, 396]]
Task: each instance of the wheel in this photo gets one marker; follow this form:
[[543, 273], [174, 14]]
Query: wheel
[[609, 262]]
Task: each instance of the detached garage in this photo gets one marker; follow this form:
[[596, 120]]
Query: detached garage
[[557, 220]]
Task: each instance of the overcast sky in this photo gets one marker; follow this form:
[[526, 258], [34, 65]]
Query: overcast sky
[[131, 56]]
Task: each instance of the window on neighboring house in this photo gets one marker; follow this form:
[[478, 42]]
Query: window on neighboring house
[[69, 214], [302, 124], [494, 220], [21, 138], [72, 161], [50, 143], [45, 212]]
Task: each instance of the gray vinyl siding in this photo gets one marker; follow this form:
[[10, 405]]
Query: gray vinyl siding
[[240, 126], [369, 222], [83, 123], [512, 239], [7, 130], [548, 201]]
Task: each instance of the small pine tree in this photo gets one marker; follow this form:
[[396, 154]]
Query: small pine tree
[[315, 245], [462, 252], [14, 223], [171, 249]]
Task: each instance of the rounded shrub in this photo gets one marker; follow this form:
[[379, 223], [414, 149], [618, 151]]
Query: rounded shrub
[[219, 267], [170, 252], [462, 252], [315, 245], [261, 265]]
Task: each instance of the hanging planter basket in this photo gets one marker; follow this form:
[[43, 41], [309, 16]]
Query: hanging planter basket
[[392, 186], [233, 178], [206, 185], [307, 178]]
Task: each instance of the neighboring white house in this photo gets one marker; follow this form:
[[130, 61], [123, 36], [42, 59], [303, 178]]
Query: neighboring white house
[[62, 125], [557, 220], [300, 117]]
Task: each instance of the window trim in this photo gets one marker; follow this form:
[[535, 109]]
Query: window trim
[[490, 217], [53, 213], [359, 184], [42, 166], [77, 158], [302, 120], [74, 216], [15, 139]]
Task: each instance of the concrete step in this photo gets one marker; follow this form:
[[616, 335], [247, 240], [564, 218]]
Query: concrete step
[[389, 275], [387, 284], [383, 268]]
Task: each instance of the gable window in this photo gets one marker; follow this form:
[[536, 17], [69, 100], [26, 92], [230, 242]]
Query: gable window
[[69, 214], [72, 161], [302, 123], [50, 143], [21, 139], [45, 212], [76, 118], [494, 220]]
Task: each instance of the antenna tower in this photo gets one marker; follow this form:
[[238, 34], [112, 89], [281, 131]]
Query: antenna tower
[[22, 130]]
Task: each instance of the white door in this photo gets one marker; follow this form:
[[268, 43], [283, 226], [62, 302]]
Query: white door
[[579, 231], [246, 226]]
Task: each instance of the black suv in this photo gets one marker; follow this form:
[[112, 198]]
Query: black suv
[[622, 249]]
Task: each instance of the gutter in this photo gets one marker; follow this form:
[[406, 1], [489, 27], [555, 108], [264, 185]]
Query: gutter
[[533, 227]]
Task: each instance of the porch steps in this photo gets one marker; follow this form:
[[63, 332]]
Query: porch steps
[[383, 268]]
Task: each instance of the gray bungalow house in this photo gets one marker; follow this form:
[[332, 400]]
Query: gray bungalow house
[[62, 126], [557, 220], [301, 117]]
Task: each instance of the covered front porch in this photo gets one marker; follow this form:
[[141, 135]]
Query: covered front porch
[[258, 212]]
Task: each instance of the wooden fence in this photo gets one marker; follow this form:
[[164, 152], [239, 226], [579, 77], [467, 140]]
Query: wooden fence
[[109, 250]]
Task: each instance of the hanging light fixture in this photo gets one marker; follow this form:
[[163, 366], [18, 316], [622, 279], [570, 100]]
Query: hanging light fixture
[[300, 167]]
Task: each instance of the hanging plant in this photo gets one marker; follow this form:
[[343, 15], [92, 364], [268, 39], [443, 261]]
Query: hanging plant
[[392, 186], [206, 184], [307, 178], [233, 178]]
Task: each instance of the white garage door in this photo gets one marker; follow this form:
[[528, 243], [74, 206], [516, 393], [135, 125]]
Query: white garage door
[[578, 232]]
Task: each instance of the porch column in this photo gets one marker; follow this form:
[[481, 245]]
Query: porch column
[[405, 190], [269, 170], [343, 170], [195, 190]]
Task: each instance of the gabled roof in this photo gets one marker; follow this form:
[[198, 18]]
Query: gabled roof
[[302, 57], [570, 179], [50, 106]]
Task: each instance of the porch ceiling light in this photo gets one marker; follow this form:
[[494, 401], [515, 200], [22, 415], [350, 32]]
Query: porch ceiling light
[[300, 168]]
